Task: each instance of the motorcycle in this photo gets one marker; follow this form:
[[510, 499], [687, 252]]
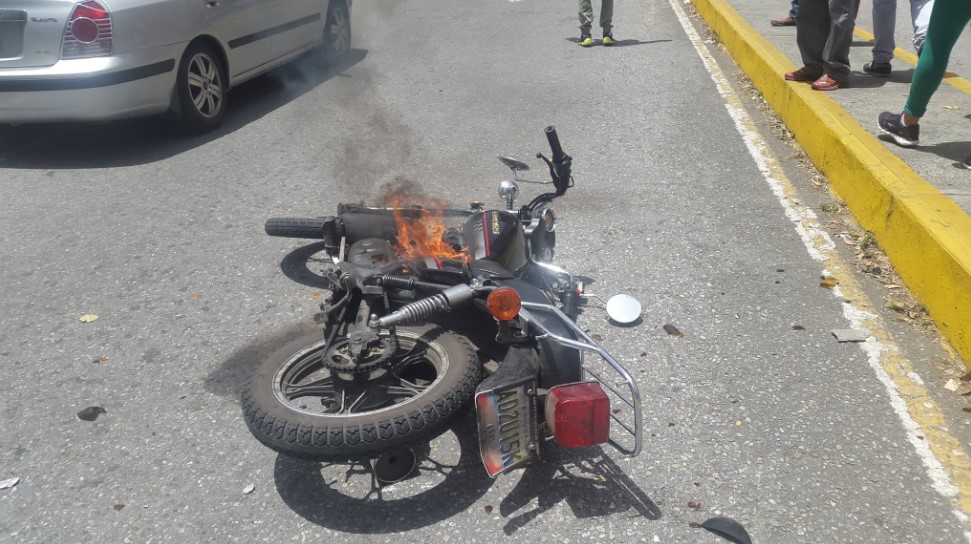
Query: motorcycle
[[423, 318]]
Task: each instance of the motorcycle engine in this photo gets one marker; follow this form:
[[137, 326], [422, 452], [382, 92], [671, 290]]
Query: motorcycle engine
[[371, 253]]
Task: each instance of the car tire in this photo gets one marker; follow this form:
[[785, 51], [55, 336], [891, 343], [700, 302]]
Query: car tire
[[337, 33], [202, 88]]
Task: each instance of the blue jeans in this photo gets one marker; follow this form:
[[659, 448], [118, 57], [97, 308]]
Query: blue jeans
[[884, 20], [794, 10]]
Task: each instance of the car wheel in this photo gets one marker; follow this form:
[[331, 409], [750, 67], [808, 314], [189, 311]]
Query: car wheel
[[202, 87], [337, 32]]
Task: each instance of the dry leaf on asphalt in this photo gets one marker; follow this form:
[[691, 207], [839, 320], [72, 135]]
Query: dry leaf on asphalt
[[89, 318], [673, 331], [829, 282]]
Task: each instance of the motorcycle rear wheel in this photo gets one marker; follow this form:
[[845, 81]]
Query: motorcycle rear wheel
[[296, 406]]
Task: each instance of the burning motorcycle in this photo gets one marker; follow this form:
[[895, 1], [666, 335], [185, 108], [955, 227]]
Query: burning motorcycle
[[424, 317]]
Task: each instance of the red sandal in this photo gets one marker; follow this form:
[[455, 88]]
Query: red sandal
[[803, 74], [827, 83]]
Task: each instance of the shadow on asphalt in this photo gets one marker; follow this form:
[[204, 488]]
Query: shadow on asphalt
[[618, 43], [588, 481], [228, 378], [345, 497], [591, 486], [955, 151], [862, 80], [138, 141], [303, 265]]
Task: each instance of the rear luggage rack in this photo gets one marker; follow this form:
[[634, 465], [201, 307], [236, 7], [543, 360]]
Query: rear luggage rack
[[632, 398]]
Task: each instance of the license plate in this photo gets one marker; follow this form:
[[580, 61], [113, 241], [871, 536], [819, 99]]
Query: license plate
[[507, 426]]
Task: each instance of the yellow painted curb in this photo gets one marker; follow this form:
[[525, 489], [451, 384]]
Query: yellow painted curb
[[924, 233]]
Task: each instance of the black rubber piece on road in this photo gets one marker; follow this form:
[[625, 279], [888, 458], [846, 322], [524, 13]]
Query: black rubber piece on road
[[295, 227]]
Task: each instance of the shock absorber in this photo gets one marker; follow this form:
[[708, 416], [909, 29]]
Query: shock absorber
[[421, 310], [398, 282]]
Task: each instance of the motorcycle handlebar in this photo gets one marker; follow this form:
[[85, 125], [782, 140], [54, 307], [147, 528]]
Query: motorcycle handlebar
[[554, 143], [296, 227]]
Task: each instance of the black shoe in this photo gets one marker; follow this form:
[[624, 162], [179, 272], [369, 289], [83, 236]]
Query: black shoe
[[874, 68], [892, 124]]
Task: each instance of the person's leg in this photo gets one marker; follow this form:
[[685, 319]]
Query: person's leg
[[884, 23], [794, 9], [920, 14], [812, 30], [948, 19], [586, 16], [836, 52], [606, 15]]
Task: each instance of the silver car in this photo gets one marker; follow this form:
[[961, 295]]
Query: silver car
[[98, 60]]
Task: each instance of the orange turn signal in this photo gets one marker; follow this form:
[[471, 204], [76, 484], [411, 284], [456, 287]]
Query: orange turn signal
[[504, 303]]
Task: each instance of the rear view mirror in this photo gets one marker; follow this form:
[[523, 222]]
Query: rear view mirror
[[623, 309]]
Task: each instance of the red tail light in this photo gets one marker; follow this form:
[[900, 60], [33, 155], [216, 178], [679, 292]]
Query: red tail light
[[578, 414], [88, 32]]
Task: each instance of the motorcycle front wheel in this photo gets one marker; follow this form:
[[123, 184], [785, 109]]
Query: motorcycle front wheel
[[296, 405]]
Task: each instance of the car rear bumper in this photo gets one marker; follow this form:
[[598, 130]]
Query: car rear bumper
[[95, 89]]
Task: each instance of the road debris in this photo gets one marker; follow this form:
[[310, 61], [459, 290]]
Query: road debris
[[9, 482], [850, 335], [829, 282], [673, 331], [894, 305], [89, 318], [91, 413], [728, 529], [249, 489]]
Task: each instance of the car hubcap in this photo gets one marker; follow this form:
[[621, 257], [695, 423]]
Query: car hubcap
[[205, 85], [339, 31]]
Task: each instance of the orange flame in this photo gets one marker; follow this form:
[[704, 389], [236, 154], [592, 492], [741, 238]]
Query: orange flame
[[421, 236]]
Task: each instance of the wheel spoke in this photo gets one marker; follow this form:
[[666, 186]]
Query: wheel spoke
[[356, 403], [319, 388], [406, 389], [417, 353], [195, 80]]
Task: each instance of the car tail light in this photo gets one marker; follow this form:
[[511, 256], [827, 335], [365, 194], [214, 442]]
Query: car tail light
[[88, 32], [504, 303], [578, 414]]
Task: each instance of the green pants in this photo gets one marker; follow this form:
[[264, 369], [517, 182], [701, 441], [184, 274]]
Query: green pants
[[606, 15], [948, 19]]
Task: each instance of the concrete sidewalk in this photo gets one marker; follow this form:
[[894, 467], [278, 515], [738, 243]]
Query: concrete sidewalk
[[916, 201]]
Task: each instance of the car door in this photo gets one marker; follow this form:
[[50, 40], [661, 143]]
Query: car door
[[244, 27], [297, 24]]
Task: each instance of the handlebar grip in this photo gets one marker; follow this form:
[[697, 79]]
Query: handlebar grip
[[296, 227], [554, 142]]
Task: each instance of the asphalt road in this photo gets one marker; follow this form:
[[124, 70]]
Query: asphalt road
[[756, 413]]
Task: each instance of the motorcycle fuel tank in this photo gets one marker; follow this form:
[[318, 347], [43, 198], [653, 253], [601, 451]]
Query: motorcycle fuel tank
[[496, 235]]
